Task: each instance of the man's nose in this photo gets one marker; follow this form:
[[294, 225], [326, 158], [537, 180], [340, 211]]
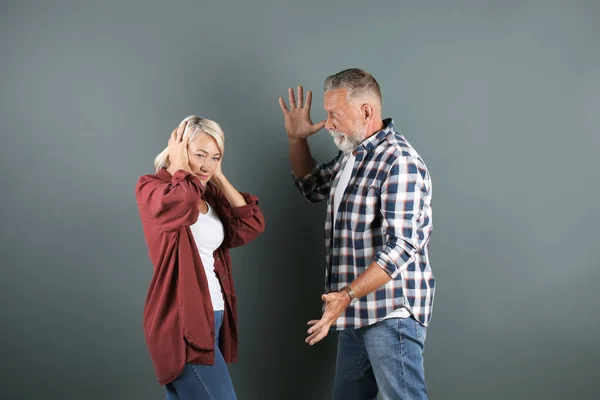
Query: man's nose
[[329, 124]]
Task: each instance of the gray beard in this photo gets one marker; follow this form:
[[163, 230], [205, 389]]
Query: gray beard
[[350, 143]]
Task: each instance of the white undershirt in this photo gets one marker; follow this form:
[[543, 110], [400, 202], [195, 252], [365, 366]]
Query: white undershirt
[[208, 234], [401, 312], [342, 185]]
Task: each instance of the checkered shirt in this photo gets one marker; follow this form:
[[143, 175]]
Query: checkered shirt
[[384, 216]]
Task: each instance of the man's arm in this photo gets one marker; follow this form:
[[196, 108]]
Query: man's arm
[[300, 157], [402, 195]]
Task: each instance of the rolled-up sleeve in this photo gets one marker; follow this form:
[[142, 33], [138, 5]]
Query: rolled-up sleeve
[[244, 223], [316, 184], [402, 199]]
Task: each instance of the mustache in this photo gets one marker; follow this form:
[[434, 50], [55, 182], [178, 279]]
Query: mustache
[[337, 134]]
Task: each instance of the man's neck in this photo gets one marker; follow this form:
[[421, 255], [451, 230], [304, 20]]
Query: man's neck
[[375, 127]]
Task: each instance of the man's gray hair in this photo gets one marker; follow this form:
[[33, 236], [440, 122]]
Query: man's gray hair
[[358, 84]]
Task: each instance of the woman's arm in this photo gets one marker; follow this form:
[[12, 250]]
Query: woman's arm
[[242, 217], [172, 204]]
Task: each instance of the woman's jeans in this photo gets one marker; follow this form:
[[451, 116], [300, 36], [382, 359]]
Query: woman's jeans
[[199, 382]]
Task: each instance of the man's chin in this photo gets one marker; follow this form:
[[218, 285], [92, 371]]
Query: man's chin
[[344, 146]]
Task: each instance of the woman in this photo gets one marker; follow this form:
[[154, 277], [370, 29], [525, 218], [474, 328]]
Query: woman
[[191, 216]]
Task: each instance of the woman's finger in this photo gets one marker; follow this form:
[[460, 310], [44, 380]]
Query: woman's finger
[[180, 131]]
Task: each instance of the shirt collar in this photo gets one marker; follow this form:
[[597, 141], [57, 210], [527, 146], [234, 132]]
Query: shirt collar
[[372, 142]]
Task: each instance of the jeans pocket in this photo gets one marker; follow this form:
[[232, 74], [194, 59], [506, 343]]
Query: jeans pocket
[[420, 331]]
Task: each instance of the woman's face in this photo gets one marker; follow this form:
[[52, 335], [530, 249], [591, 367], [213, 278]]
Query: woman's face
[[204, 156]]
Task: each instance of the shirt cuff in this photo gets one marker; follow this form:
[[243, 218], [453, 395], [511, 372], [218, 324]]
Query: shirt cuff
[[247, 210], [305, 183], [388, 265], [181, 175]]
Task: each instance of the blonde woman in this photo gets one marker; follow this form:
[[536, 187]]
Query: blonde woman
[[192, 216]]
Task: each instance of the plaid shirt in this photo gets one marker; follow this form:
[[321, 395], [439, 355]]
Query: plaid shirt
[[384, 216]]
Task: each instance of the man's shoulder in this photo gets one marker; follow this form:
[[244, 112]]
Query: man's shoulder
[[397, 142], [396, 150]]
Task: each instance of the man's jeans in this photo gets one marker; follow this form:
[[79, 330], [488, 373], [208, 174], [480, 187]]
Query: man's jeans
[[384, 358]]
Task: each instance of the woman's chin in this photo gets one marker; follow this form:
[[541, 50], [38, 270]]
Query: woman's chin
[[203, 179]]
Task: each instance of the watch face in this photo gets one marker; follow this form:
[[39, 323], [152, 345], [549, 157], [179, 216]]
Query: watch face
[[353, 301]]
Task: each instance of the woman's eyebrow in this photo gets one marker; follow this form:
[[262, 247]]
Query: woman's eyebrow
[[205, 152]]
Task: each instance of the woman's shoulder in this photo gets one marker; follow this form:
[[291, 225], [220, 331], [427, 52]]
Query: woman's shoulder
[[157, 176]]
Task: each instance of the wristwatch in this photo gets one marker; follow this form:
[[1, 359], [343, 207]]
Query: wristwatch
[[351, 293]]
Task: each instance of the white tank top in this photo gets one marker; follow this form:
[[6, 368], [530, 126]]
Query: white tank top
[[208, 234]]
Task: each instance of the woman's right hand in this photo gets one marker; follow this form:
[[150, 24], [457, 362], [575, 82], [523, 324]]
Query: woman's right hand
[[178, 152], [298, 124]]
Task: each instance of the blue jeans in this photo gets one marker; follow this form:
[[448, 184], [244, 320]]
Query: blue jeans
[[199, 382], [384, 358]]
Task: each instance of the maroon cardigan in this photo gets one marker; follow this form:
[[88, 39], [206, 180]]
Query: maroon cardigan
[[178, 314]]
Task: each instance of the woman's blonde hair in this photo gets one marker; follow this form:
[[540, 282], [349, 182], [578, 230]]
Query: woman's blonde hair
[[195, 125]]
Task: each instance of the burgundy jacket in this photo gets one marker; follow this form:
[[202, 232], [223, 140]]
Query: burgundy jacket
[[178, 314]]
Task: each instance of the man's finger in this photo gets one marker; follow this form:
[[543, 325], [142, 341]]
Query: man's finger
[[322, 333], [318, 126], [327, 297], [300, 96], [292, 99], [311, 337], [320, 324], [283, 106], [308, 99], [312, 322]]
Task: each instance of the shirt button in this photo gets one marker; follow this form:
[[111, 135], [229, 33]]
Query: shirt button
[[218, 258]]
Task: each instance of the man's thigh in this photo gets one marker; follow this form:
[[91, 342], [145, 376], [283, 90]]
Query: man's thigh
[[395, 350], [354, 379]]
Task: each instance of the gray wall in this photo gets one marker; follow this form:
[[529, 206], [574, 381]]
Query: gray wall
[[501, 99]]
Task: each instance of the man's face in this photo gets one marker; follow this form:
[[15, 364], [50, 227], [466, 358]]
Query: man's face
[[343, 120]]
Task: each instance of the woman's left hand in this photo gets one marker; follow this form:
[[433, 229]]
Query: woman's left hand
[[234, 197], [218, 176]]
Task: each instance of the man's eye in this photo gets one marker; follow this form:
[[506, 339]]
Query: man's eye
[[215, 158]]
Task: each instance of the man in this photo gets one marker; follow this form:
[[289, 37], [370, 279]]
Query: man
[[379, 287]]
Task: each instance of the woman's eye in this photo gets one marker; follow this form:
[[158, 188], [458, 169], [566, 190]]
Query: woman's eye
[[200, 155]]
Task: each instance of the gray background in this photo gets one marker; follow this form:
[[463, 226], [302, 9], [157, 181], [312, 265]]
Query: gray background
[[501, 99]]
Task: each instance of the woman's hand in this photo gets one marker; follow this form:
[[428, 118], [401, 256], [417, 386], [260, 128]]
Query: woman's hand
[[234, 197], [178, 153], [218, 178]]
